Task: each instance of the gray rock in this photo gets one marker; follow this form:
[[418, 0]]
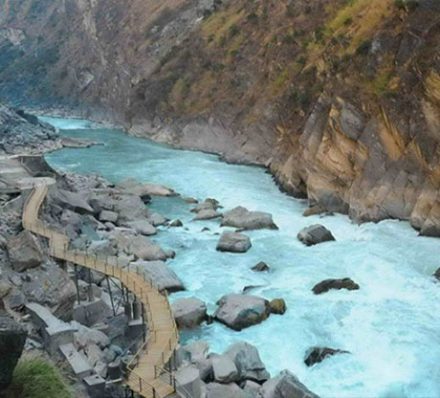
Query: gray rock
[[234, 242], [74, 200], [238, 311], [286, 385], [142, 227], [157, 219], [85, 337], [336, 284], [108, 216], [242, 218], [24, 251], [101, 369], [248, 362], [216, 390], [318, 354], [207, 214], [94, 354], [224, 369], [314, 235], [12, 340], [5, 288], [175, 223], [261, 267], [145, 189], [144, 249], [162, 276], [189, 381], [189, 312], [207, 204], [194, 352], [437, 274]]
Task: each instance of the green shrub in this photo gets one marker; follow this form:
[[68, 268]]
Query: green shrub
[[34, 377]]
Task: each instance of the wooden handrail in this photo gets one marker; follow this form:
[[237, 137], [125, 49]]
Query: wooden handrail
[[164, 336]]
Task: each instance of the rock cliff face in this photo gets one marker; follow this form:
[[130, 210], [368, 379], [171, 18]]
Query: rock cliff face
[[340, 99]]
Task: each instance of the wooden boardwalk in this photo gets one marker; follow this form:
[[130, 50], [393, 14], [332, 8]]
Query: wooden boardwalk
[[146, 375]]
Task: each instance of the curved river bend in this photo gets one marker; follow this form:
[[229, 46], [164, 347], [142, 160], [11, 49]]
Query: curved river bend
[[391, 325]]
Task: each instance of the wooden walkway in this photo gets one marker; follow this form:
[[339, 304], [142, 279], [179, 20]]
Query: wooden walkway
[[146, 374]]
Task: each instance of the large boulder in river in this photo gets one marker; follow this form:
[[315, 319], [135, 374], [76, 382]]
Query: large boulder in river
[[318, 354], [24, 251], [234, 242], [315, 234], [189, 312], [238, 311], [286, 385], [278, 306], [12, 340], [242, 218], [248, 362], [161, 275], [437, 274], [337, 284]]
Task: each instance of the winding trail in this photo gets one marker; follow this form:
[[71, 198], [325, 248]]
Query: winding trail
[[146, 373]]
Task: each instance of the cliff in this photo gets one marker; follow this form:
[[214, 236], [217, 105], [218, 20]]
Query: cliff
[[341, 100]]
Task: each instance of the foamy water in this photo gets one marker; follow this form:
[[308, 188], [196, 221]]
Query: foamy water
[[391, 325]]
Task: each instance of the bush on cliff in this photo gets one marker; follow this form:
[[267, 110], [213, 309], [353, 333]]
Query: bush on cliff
[[35, 377]]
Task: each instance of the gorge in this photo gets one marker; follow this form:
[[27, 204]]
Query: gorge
[[273, 166]]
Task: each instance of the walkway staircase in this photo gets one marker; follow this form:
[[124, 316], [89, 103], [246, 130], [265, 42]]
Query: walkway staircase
[[146, 372]]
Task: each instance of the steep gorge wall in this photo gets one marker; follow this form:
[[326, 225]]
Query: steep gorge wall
[[340, 99]]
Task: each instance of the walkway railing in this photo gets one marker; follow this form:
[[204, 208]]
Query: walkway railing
[[145, 373]]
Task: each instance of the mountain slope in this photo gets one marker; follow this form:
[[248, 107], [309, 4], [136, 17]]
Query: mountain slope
[[341, 99]]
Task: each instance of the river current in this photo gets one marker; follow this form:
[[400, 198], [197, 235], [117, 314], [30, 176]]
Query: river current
[[391, 325]]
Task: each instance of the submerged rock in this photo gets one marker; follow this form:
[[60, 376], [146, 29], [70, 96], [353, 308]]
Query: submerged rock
[[261, 267], [24, 251], [337, 284], [175, 223], [238, 311], [437, 274], [314, 210], [242, 218], [234, 242], [318, 354], [286, 385], [314, 235], [189, 312]]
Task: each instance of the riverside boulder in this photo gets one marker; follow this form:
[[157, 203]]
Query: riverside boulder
[[234, 242], [216, 390], [161, 275], [24, 251], [242, 218], [239, 311], [286, 385], [314, 235], [224, 369], [248, 362], [189, 312], [336, 284]]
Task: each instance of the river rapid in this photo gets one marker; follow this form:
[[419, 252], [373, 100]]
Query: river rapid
[[391, 325]]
